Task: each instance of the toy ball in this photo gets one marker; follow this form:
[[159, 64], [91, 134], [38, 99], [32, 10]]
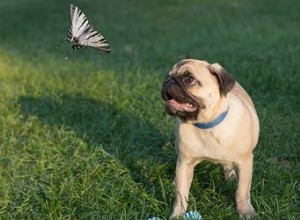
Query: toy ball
[[192, 215]]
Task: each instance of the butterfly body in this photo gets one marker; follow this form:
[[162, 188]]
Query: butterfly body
[[82, 34], [74, 39]]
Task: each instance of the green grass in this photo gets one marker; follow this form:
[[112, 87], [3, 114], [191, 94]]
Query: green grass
[[88, 138]]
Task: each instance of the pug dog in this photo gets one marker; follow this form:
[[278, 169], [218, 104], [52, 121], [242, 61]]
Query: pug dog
[[216, 121]]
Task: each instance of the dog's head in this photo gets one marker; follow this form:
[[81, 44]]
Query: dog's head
[[194, 85]]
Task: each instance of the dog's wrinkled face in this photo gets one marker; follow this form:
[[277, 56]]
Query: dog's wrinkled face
[[193, 85]]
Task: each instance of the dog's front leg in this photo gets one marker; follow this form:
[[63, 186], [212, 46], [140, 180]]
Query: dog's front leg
[[183, 180]]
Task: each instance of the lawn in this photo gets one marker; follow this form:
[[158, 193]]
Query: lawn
[[88, 138]]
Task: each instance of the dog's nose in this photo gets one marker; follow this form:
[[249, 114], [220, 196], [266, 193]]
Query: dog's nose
[[171, 81]]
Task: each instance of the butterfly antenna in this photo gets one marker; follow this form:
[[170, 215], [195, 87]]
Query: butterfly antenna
[[73, 49], [60, 43], [67, 57]]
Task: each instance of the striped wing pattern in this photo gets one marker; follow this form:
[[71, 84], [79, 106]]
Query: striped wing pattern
[[83, 34]]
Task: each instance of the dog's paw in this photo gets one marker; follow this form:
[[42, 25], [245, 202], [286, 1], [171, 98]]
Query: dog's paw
[[178, 211], [230, 175], [229, 172], [246, 210], [247, 216]]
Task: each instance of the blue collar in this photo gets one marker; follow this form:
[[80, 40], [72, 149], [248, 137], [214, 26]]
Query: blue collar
[[213, 123]]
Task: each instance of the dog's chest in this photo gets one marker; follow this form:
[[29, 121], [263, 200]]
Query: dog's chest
[[203, 144]]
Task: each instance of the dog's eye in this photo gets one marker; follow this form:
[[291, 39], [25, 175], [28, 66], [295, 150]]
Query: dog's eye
[[189, 80]]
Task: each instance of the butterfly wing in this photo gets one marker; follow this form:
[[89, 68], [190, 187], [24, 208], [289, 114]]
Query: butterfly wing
[[95, 40], [71, 32], [82, 32]]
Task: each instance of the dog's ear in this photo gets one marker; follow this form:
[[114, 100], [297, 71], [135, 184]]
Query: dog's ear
[[226, 81]]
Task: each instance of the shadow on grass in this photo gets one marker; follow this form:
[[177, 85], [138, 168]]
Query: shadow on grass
[[132, 140]]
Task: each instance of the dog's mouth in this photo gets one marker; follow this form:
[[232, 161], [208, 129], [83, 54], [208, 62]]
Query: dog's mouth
[[183, 107]]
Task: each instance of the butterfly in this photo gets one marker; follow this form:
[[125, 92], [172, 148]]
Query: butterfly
[[83, 34]]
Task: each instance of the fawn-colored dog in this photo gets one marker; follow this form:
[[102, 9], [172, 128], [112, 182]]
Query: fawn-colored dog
[[217, 121]]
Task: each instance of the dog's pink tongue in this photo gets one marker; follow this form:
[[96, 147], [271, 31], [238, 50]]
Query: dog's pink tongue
[[181, 106]]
